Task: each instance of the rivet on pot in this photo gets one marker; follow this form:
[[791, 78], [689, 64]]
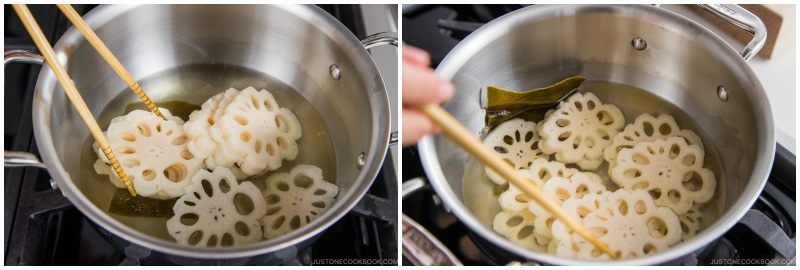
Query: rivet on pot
[[362, 160], [639, 44], [53, 184], [336, 74], [722, 93]]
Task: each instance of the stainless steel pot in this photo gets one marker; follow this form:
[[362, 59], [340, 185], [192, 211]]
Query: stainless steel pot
[[691, 70], [301, 46]]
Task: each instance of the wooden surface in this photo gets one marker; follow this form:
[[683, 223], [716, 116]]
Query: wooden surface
[[72, 92], [459, 134], [112, 60]]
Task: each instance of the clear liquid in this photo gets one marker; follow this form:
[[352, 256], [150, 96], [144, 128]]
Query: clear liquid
[[481, 194], [183, 89]]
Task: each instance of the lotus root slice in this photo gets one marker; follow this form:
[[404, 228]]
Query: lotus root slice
[[539, 173], [579, 129], [153, 153], [516, 141], [627, 221], [217, 211], [671, 170], [518, 228], [295, 199], [561, 189], [647, 128]]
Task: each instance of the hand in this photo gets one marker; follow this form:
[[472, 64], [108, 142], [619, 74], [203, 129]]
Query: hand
[[420, 87]]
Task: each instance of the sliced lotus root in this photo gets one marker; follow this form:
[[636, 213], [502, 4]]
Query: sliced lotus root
[[105, 169], [295, 199], [153, 152], [561, 189], [627, 221], [672, 171], [513, 199], [540, 171], [518, 227], [200, 142], [574, 186], [579, 129], [255, 134], [647, 128], [563, 239], [516, 142], [690, 222], [217, 211], [245, 131]]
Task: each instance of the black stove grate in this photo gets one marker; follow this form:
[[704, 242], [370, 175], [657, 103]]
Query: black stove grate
[[43, 228], [438, 28]]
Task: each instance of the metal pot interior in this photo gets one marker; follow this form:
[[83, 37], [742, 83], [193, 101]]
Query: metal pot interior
[[286, 48], [678, 73]]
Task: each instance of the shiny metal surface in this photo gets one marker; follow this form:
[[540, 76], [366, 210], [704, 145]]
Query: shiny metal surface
[[413, 185], [745, 20], [336, 73], [21, 159], [384, 18], [22, 57], [682, 65], [294, 44], [639, 44], [422, 248], [722, 93], [378, 39]]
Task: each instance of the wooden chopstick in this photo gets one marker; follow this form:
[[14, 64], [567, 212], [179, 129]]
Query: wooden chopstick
[[112, 60], [461, 136], [50, 56]]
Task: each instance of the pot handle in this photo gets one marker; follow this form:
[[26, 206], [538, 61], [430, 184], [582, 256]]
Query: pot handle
[[419, 245], [21, 159], [740, 17], [22, 56], [379, 39]]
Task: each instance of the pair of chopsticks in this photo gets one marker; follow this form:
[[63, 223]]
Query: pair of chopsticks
[[69, 87], [452, 129]]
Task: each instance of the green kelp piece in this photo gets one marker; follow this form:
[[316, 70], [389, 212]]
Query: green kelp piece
[[124, 205], [529, 105]]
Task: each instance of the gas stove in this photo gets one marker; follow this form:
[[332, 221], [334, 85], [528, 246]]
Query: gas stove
[[43, 228], [439, 28]]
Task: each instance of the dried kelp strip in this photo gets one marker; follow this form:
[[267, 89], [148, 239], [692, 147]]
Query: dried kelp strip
[[529, 105]]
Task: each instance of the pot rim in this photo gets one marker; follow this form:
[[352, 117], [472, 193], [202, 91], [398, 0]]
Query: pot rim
[[501, 26], [379, 140]]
